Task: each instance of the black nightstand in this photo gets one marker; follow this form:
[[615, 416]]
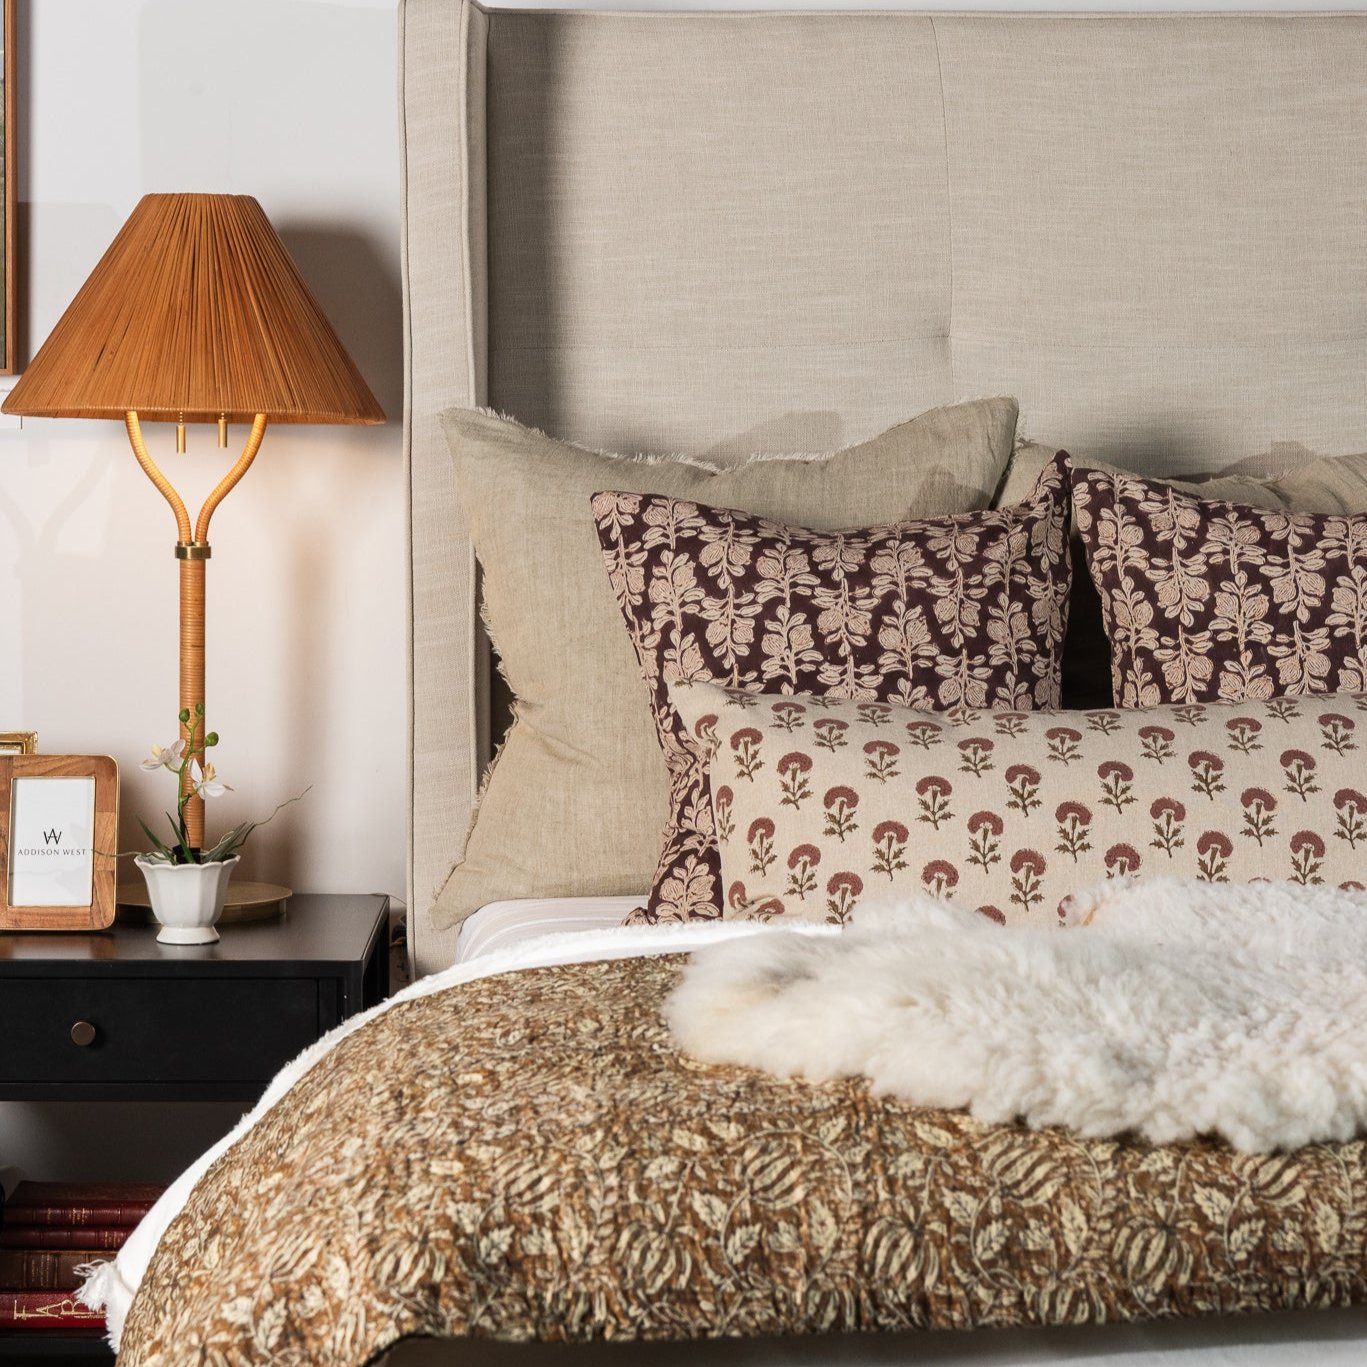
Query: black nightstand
[[171, 1023]]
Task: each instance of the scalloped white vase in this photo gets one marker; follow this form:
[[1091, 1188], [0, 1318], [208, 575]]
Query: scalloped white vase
[[187, 898]]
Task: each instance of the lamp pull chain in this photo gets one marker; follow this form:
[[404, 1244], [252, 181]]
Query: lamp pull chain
[[180, 437], [192, 552]]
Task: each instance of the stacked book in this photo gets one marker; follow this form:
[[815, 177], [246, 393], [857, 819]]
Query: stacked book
[[47, 1231]]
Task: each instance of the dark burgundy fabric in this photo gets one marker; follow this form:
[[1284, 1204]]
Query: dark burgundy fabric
[[1204, 600], [934, 613]]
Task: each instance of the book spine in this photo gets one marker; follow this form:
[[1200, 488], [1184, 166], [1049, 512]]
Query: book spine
[[37, 1269], [83, 1193], [41, 1310], [106, 1239], [126, 1213]]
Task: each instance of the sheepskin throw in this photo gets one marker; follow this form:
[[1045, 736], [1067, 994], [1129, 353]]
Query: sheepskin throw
[[821, 802], [1174, 1009]]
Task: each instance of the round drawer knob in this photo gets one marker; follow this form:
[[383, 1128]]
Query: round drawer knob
[[82, 1034]]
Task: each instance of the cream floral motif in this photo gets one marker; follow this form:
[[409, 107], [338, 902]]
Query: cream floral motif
[[819, 802], [1207, 600], [530, 1158], [969, 609]]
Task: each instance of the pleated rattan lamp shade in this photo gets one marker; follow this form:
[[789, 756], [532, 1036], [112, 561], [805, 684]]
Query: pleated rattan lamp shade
[[195, 312]]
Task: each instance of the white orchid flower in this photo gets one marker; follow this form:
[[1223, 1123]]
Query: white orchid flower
[[210, 785], [167, 757]]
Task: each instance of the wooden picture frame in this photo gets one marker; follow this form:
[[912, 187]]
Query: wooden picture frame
[[59, 826], [18, 742], [9, 210]]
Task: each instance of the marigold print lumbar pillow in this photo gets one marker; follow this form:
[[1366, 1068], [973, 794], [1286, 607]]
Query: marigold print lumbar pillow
[[928, 613], [1205, 599], [820, 802]]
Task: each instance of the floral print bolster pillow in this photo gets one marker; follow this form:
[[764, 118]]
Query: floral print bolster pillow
[[931, 613], [820, 802], [1207, 600]]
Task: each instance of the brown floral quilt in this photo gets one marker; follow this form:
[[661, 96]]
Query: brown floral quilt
[[529, 1157]]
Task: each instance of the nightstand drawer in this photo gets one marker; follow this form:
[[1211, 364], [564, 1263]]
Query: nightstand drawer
[[153, 1030]]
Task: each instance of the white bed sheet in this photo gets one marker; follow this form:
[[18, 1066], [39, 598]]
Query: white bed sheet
[[499, 925], [1329, 1339]]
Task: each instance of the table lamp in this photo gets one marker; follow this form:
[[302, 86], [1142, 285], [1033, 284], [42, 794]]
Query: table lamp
[[196, 313]]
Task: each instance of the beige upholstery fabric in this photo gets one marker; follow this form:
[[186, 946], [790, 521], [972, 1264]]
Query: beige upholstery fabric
[[718, 233], [442, 78], [1158, 227], [576, 801], [721, 232]]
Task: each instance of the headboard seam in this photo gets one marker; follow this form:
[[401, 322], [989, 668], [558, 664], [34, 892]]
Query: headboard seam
[[949, 211]]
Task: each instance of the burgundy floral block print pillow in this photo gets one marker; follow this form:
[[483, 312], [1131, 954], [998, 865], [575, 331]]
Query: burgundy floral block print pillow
[[933, 613], [822, 802], [1207, 600]]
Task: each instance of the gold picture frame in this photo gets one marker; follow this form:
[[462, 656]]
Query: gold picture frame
[[18, 742], [59, 830]]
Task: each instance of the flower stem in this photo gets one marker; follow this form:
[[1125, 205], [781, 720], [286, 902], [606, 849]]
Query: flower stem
[[184, 792]]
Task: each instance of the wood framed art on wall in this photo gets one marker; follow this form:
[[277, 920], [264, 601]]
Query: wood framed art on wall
[[9, 183], [59, 820], [18, 742]]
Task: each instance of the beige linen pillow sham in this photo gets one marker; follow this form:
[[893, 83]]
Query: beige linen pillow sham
[[576, 800], [1328, 484]]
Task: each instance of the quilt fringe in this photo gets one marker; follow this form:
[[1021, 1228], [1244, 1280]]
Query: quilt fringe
[[103, 1289]]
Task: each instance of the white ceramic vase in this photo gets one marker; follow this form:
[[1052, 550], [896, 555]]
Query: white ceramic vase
[[186, 898]]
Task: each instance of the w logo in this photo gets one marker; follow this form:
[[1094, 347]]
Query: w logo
[[52, 837]]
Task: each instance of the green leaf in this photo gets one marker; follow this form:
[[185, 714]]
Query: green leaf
[[157, 845], [186, 854]]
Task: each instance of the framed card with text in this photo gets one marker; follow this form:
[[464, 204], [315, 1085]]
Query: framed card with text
[[59, 822]]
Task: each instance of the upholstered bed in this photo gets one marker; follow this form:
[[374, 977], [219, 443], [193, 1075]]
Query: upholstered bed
[[721, 233], [714, 233]]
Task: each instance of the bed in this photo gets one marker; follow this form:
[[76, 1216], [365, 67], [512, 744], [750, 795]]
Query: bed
[[712, 233]]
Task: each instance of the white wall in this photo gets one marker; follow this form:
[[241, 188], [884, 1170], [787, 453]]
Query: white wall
[[293, 101]]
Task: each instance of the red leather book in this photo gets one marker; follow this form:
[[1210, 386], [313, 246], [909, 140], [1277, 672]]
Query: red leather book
[[33, 1311], [105, 1239], [42, 1269], [79, 1203]]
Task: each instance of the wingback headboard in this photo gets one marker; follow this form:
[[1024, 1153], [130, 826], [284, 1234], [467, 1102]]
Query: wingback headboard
[[722, 232]]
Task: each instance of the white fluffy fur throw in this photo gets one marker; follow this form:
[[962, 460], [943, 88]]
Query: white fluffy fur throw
[[1179, 1009]]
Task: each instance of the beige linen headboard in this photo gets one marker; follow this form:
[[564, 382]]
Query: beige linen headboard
[[718, 232]]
